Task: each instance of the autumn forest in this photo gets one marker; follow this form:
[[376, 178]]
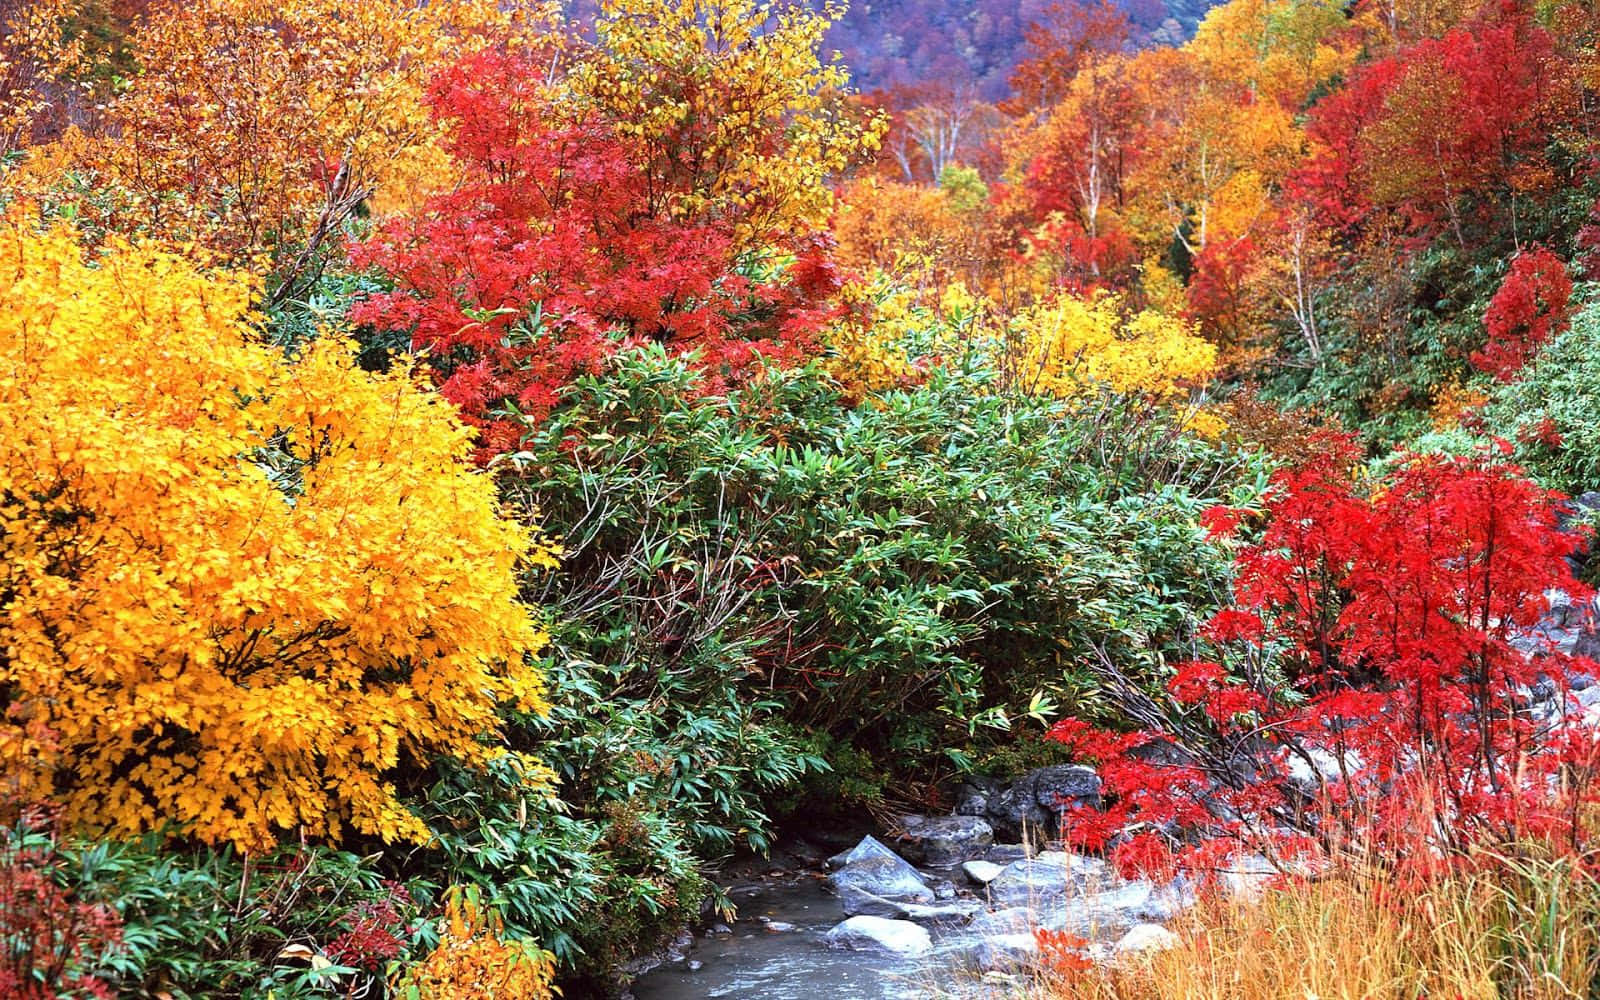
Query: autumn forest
[[483, 481]]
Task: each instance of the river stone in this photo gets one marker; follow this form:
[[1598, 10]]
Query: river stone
[[1145, 938], [1246, 876], [1096, 915], [1004, 854], [1062, 786], [865, 933], [945, 840], [1003, 952], [998, 923], [873, 878], [857, 902], [869, 847], [943, 914], [981, 872], [1052, 875], [1035, 801], [1137, 902], [972, 796]]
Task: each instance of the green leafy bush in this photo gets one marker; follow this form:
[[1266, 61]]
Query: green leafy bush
[[1551, 414], [208, 923], [901, 575]]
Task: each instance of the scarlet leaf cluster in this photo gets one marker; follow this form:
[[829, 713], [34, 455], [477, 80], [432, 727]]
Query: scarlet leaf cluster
[[1529, 308], [641, 198], [1400, 610], [1378, 141]]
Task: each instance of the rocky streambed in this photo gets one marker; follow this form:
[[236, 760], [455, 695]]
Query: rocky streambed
[[869, 924]]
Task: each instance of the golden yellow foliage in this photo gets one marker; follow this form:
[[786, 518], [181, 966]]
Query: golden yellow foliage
[[238, 590], [869, 351], [474, 960], [909, 230], [736, 113], [1455, 400], [1279, 50], [1069, 344]]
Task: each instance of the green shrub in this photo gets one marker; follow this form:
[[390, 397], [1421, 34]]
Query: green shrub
[[1551, 413], [211, 924], [899, 575]]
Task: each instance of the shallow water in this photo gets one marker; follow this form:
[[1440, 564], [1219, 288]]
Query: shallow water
[[757, 964]]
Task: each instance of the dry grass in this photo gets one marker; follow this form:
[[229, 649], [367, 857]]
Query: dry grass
[[1526, 928]]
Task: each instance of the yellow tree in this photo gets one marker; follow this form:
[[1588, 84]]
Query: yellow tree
[[35, 55], [237, 592], [1276, 50], [735, 113], [1071, 345], [1213, 155]]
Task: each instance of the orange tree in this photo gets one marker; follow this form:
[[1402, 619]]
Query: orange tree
[[239, 592], [256, 127]]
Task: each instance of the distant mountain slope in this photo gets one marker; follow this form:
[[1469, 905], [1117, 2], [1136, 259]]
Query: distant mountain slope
[[890, 42]]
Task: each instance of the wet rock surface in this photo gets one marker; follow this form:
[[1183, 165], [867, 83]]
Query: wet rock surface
[[803, 934]]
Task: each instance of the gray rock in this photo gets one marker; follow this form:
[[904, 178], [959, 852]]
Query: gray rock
[[872, 878], [1004, 854], [1324, 766], [945, 840], [943, 914], [998, 923], [1247, 876], [972, 797], [1035, 801], [695, 965], [1015, 810], [1051, 875], [895, 937], [1587, 644], [856, 901], [1145, 938], [1090, 915], [869, 847], [1062, 786], [981, 872], [1003, 953]]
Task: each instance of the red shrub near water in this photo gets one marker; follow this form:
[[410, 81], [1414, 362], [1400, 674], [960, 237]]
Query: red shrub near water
[[1393, 613]]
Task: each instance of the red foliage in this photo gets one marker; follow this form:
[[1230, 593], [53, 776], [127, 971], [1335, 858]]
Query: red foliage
[[51, 940], [1062, 952], [1398, 611], [1218, 297], [372, 932], [1529, 309], [1378, 140], [556, 249], [1069, 34]]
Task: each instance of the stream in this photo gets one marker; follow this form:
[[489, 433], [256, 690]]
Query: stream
[[757, 962]]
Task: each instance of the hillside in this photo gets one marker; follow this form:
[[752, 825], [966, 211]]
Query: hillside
[[890, 42]]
